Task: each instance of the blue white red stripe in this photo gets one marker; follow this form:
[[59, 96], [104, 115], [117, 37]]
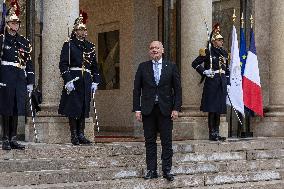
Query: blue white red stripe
[[251, 80]]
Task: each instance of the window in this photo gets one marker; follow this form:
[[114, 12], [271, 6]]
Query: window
[[108, 59]]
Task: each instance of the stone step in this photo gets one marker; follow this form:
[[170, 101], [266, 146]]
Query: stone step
[[274, 184], [228, 166], [215, 156], [189, 168], [229, 178], [231, 161], [217, 173], [138, 183], [138, 162], [179, 167], [39, 150], [67, 175], [13, 165], [95, 173], [253, 165], [265, 154], [21, 165], [183, 181], [261, 143]]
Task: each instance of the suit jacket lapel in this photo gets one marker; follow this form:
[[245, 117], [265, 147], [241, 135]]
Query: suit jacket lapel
[[151, 71], [163, 71]]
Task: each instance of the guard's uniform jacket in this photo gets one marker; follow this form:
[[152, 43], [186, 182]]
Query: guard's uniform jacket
[[215, 89], [16, 71], [82, 64]]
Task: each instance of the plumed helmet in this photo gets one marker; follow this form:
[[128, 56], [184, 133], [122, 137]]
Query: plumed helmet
[[80, 22], [215, 34], [13, 13]]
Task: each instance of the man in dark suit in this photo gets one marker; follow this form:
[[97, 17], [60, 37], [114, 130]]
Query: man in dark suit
[[156, 102]]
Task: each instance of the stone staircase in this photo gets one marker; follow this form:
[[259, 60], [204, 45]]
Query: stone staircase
[[236, 164]]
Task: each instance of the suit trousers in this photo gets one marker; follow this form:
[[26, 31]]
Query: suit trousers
[[153, 124]]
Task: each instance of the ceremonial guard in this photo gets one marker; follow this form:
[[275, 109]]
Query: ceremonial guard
[[78, 68], [212, 65], [16, 77]]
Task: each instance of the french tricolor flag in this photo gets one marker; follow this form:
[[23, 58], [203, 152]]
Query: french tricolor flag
[[251, 80]]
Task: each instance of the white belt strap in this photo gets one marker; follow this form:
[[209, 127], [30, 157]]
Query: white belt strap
[[18, 65], [80, 69], [219, 71]]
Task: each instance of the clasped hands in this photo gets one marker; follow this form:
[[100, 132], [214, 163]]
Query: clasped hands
[[138, 115], [70, 87], [209, 73]]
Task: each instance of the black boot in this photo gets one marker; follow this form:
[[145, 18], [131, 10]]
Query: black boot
[[168, 176], [15, 145], [216, 128], [5, 130], [211, 127], [80, 131], [13, 122], [73, 131], [6, 145]]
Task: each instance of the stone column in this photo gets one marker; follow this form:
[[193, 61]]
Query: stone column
[[51, 127], [272, 123], [277, 59], [193, 123], [57, 16], [194, 37]]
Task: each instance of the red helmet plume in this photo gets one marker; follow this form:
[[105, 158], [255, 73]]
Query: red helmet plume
[[84, 15], [14, 3]]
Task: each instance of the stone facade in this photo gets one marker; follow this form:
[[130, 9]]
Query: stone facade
[[138, 24]]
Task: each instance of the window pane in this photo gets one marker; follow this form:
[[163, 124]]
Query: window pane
[[108, 59]]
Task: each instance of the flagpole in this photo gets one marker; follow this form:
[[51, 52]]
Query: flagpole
[[251, 21], [234, 19], [242, 20], [242, 128]]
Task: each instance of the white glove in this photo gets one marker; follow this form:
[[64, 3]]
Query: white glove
[[228, 88], [69, 87], [94, 87], [209, 73], [30, 88]]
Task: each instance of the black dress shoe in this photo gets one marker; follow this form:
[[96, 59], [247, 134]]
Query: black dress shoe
[[15, 145], [213, 138], [83, 139], [75, 141], [6, 145], [168, 176], [219, 138], [151, 174]]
